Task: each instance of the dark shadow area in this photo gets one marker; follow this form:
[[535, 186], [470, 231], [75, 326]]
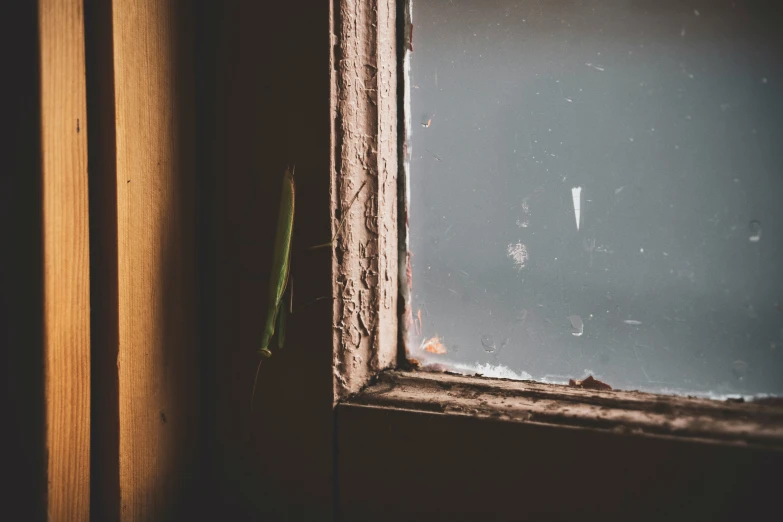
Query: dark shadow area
[[24, 458], [104, 327], [205, 62], [463, 468], [184, 495], [262, 99]]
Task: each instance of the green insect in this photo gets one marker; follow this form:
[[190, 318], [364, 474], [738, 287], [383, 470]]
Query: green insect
[[281, 267], [280, 276]]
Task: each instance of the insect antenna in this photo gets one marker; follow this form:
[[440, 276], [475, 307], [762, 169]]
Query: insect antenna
[[342, 220]]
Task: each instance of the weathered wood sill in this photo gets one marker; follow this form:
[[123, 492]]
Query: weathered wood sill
[[757, 424]]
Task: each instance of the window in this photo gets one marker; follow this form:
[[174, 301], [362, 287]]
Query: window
[[595, 189], [425, 444]]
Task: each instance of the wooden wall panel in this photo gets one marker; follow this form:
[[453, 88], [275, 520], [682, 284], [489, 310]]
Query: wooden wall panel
[[270, 109], [405, 465], [155, 255], [66, 258]]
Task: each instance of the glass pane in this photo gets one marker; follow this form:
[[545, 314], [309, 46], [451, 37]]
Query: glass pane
[[596, 188]]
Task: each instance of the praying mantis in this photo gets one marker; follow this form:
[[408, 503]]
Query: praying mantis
[[281, 267], [280, 275]]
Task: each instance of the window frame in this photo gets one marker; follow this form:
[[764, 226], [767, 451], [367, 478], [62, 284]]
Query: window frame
[[384, 431]]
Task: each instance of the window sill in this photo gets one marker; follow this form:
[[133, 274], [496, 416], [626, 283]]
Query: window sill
[[466, 448], [758, 423]]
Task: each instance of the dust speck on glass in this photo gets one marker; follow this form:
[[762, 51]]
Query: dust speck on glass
[[596, 187]]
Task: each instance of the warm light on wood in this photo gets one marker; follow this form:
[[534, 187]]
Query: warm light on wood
[[154, 181], [66, 258]]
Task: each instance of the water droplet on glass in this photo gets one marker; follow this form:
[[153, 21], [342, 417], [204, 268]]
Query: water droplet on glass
[[739, 369], [488, 342], [754, 229], [577, 324]]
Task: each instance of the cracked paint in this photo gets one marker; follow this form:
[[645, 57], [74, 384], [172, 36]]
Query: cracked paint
[[364, 151]]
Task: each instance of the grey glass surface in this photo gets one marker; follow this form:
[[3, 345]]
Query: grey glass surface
[[668, 117]]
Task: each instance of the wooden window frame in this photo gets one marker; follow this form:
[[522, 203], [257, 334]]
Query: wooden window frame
[[415, 444]]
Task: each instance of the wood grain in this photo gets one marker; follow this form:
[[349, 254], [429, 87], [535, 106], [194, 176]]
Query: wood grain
[[752, 424], [66, 258], [156, 355]]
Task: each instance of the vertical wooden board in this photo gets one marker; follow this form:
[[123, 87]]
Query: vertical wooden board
[[153, 81], [271, 109], [66, 258]]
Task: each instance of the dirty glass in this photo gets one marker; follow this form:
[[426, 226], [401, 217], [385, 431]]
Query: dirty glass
[[596, 188]]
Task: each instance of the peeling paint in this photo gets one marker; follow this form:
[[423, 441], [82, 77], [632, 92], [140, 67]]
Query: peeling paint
[[404, 272], [364, 111], [754, 424]]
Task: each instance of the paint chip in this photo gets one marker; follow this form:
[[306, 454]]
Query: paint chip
[[576, 195], [434, 345], [589, 383]]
